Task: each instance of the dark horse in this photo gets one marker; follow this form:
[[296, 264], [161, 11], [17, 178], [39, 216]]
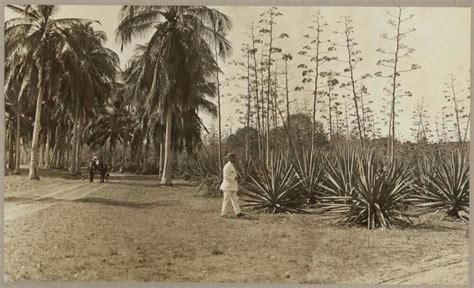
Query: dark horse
[[103, 169]]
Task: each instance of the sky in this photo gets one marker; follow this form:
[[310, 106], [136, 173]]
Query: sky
[[441, 42]]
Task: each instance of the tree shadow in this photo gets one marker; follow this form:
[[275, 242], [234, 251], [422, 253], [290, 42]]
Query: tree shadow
[[138, 205], [150, 184], [96, 200], [135, 184]]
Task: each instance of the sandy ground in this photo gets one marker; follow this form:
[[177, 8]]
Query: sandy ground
[[133, 229]]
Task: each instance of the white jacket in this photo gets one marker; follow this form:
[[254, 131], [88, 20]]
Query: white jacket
[[229, 181]]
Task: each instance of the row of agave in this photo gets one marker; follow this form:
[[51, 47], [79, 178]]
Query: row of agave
[[360, 187]]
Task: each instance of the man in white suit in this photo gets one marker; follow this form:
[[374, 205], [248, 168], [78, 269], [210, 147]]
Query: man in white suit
[[230, 187]]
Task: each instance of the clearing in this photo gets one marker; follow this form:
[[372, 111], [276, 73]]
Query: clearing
[[133, 229]]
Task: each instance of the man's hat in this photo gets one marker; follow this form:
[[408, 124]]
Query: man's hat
[[230, 155]]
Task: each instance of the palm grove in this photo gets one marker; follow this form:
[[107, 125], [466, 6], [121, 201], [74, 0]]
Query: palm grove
[[66, 96]]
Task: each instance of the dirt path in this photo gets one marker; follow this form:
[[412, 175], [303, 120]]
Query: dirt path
[[22, 206], [134, 229]]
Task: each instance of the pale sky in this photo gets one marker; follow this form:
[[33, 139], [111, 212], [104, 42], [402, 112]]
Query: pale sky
[[441, 42]]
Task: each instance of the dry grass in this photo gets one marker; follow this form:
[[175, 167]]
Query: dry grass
[[135, 230]]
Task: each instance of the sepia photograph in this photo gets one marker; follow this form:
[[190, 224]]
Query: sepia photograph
[[236, 144]]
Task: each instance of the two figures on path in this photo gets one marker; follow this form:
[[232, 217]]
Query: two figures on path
[[99, 166], [230, 186]]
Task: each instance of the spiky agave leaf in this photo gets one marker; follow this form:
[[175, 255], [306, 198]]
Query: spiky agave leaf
[[340, 176], [310, 170], [423, 164], [380, 193], [448, 185], [275, 188], [245, 168]]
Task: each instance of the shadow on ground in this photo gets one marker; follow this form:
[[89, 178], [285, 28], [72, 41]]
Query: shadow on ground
[[97, 200], [104, 201]]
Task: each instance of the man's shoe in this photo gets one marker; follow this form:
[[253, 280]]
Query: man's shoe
[[240, 215]]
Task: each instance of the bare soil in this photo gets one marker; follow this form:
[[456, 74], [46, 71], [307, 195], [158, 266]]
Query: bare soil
[[134, 229]]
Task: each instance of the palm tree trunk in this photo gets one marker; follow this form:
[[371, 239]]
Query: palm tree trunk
[[47, 158], [41, 159], [33, 173], [162, 155], [77, 160], [145, 156], [11, 147], [67, 150], [72, 167], [168, 165], [17, 140], [124, 157], [56, 150], [218, 113], [112, 150]]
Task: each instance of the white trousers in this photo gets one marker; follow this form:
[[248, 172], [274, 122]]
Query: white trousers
[[230, 196]]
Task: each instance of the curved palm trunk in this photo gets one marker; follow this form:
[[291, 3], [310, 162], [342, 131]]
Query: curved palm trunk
[[33, 173], [167, 166]]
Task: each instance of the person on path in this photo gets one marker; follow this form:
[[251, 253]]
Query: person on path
[[230, 187], [93, 166]]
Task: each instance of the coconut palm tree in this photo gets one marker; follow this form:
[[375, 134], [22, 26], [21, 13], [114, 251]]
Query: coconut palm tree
[[18, 83], [178, 49], [114, 126], [42, 37], [92, 74]]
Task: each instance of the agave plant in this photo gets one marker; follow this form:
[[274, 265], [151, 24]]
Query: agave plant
[[378, 194], [447, 187], [204, 167], [206, 171], [275, 188], [310, 170]]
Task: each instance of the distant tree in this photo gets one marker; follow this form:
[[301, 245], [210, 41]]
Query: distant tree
[[237, 142]]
